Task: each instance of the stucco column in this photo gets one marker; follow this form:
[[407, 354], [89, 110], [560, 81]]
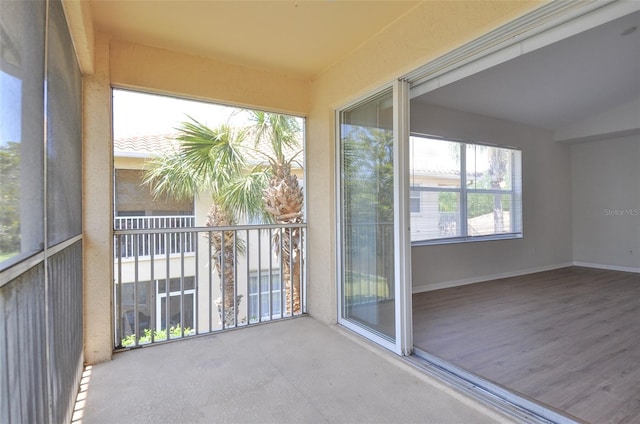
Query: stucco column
[[97, 197]]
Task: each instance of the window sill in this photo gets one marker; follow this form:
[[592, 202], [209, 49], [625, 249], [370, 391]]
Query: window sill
[[471, 239]]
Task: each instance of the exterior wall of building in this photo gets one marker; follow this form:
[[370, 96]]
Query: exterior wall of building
[[430, 30]]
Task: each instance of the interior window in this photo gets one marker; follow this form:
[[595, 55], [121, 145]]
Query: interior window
[[465, 191]]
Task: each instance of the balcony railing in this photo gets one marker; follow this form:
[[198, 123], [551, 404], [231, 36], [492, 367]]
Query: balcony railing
[[211, 279], [144, 244]]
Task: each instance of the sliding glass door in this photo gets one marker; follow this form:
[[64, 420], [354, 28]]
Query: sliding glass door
[[373, 238]]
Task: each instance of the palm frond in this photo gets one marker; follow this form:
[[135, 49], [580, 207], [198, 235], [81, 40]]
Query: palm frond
[[165, 175], [215, 156], [280, 131], [244, 194]]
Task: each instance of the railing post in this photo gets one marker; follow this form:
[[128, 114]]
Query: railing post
[[119, 317], [259, 277]]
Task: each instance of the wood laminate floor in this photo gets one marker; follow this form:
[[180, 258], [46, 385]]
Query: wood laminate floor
[[569, 338]]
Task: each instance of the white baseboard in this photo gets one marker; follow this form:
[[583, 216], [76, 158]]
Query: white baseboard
[[419, 288], [424, 287], [609, 267]]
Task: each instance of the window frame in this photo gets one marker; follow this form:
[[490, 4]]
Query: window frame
[[463, 191], [180, 293], [415, 198], [264, 289]]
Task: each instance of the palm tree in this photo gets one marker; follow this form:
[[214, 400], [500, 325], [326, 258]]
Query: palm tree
[[283, 197], [265, 188], [207, 159]]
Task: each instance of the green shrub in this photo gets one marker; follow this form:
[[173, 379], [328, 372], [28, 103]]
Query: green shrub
[[158, 335]]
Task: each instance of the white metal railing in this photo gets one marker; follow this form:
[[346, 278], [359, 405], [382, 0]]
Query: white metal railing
[[145, 243], [212, 279]]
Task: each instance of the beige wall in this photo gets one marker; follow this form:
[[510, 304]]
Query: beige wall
[[430, 30], [166, 72], [97, 206]]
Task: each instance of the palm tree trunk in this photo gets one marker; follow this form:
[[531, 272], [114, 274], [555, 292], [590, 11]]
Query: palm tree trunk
[[223, 243], [283, 200], [292, 267]]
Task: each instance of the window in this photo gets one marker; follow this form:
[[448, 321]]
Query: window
[[182, 303], [466, 191], [414, 199], [132, 302], [134, 198], [267, 307]]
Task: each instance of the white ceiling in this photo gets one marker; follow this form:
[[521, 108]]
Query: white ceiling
[[299, 37], [557, 85]]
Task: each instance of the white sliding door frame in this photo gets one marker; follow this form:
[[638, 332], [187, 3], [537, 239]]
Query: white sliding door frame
[[403, 343]]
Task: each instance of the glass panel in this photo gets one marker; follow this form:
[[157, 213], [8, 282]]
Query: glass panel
[[488, 213], [489, 167], [265, 305], [368, 284], [174, 284], [438, 216], [22, 26], [436, 175], [174, 306], [64, 132], [434, 163], [133, 198]]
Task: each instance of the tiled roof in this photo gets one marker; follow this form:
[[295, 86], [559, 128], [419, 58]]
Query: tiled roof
[[156, 144], [145, 145]]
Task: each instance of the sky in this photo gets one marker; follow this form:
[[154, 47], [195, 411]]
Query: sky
[[137, 114], [134, 113], [10, 109]]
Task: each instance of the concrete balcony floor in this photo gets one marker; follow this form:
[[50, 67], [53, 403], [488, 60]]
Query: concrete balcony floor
[[293, 371]]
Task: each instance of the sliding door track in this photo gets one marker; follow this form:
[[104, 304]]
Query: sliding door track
[[517, 406]]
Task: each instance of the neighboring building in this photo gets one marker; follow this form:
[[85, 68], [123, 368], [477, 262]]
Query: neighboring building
[[173, 256]]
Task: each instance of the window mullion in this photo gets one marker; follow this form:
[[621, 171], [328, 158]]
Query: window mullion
[[463, 190], [512, 213]]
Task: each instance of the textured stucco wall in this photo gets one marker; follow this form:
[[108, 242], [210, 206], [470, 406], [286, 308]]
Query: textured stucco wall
[[97, 208], [167, 72]]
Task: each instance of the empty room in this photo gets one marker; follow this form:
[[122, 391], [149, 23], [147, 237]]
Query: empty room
[[525, 224]]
